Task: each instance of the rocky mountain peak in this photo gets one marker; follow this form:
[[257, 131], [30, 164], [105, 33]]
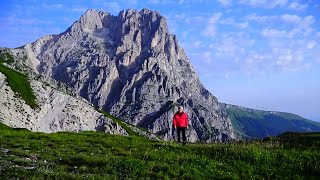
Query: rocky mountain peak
[[90, 21], [93, 19], [130, 66]]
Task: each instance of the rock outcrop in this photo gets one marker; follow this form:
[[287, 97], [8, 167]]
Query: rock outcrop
[[131, 66], [57, 111]]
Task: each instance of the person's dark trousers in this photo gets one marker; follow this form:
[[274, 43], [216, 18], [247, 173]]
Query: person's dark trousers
[[182, 130]]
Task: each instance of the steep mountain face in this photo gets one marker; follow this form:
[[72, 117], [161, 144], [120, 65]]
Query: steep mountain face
[[57, 111], [250, 123], [130, 66]]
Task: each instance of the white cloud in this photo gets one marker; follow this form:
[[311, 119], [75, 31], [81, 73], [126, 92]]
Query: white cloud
[[289, 59], [112, 6], [308, 20], [260, 19], [180, 16], [197, 43], [195, 20], [225, 2], [275, 3], [243, 25], [283, 59], [311, 44], [207, 57], [282, 55], [214, 18], [264, 3], [79, 9], [20, 21], [294, 26], [162, 1], [225, 54], [291, 18], [52, 6], [297, 6], [210, 29], [231, 46], [253, 2], [295, 19], [273, 33], [203, 59], [154, 1], [232, 22], [194, 46]]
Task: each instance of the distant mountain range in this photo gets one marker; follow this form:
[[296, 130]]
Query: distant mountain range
[[250, 123], [130, 66]]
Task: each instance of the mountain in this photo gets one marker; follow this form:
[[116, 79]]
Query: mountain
[[55, 110], [46, 105], [250, 123], [131, 66]]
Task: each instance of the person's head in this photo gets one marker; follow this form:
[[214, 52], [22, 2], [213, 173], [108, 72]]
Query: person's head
[[180, 109]]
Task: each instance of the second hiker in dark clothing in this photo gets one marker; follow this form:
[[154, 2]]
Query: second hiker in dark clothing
[[180, 122]]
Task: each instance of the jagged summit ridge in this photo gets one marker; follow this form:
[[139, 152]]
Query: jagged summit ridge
[[131, 66]]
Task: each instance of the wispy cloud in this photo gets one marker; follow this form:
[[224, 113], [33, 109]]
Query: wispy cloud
[[311, 44], [21, 21], [52, 6], [195, 20], [260, 19], [298, 6], [282, 55], [287, 18], [264, 3], [79, 9], [225, 2], [162, 1], [274, 33], [232, 22], [112, 6], [284, 59], [210, 29], [295, 19], [292, 25]]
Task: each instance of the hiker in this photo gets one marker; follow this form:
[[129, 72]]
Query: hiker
[[180, 122]]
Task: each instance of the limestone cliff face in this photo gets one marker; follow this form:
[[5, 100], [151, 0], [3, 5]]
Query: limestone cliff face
[[130, 66], [57, 111]]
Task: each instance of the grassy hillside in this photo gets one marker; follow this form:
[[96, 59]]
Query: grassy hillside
[[27, 155], [18, 82], [251, 123], [5, 57]]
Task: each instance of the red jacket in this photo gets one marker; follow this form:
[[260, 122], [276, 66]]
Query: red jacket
[[180, 119]]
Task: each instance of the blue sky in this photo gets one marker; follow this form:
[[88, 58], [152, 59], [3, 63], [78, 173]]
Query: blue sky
[[262, 54]]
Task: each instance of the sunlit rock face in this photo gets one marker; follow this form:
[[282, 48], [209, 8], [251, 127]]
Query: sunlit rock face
[[57, 111], [131, 66]]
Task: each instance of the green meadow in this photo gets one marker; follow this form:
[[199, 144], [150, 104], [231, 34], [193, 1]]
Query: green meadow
[[93, 155]]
